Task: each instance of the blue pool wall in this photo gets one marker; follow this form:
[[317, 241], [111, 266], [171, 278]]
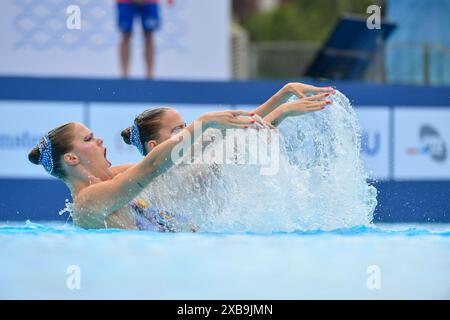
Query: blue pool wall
[[402, 197]]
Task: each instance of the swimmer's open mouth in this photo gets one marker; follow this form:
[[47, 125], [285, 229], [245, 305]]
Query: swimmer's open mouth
[[104, 154]]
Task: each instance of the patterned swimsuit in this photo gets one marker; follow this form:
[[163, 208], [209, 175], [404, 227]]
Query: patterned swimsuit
[[151, 218]]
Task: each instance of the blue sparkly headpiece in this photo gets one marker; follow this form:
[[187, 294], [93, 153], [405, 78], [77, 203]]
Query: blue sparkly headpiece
[[45, 157], [135, 137]]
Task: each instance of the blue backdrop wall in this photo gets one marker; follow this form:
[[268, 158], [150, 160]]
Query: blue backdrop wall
[[412, 169]]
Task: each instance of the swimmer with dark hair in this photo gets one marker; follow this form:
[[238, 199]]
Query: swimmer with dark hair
[[105, 196]]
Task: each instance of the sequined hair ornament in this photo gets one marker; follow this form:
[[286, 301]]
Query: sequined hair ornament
[[45, 157], [135, 137]]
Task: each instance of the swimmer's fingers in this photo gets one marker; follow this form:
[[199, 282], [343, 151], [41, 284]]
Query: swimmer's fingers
[[314, 107], [240, 122], [318, 108], [225, 119], [319, 104], [302, 90], [241, 113], [249, 123], [307, 104], [321, 89], [257, 122], [317, 97], [319, 93], [238, 126]]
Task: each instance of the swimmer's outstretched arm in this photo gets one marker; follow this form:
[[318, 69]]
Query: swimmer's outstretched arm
[[205, 140], [99, 200], [301, 90], [297, 107]]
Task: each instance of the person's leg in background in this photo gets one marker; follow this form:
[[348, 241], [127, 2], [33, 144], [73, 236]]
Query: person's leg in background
[[149, 54], [125, 53], [150, 23], [126, 13]]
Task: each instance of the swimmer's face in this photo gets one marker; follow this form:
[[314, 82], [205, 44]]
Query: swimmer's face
[[171, 123], [89, 152]]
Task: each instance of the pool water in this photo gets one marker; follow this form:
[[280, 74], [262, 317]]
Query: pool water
[[320, 187], [382, 262]]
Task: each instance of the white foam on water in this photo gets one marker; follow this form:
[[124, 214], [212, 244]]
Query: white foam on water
[[320, 182]]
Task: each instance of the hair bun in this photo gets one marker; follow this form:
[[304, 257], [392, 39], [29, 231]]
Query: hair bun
[[34, 155], [126, 135]]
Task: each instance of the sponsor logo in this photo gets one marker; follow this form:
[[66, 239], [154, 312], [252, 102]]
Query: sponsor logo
[[431, 144], [24, 140], [370, 143]]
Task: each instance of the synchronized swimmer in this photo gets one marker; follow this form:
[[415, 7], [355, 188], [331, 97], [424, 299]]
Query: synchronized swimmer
[[106, 196]]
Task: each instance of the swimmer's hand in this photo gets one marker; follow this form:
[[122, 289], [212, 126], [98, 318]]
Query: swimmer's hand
[[306, 105], [297, 108], [259, 123], [303, 90], [227, 119], [298, 89]]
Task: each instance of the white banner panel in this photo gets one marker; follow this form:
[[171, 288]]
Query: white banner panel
[[193, 42], [422, 137], [375, 137], [107, 120], [22, 124]]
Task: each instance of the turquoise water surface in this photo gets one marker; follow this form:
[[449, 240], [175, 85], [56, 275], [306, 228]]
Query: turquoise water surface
[[319, 184], [410, 262]]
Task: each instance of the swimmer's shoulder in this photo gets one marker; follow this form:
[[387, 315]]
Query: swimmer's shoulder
[[85, 217], [85, 213], [116, 170], [88, 219]]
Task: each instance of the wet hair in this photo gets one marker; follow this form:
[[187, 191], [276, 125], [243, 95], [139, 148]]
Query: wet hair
[[149, 124], [61, 142]]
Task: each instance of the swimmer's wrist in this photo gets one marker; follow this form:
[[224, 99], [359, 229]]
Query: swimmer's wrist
[[282, 95], [276, 116], [285, 110], [287, 89], [204, 121]]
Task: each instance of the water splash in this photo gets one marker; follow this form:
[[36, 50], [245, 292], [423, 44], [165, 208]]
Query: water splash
[[68, 208], [320, 184]]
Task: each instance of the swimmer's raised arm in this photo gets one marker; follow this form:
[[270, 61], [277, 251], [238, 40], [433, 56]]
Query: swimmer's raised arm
[[301, 90], [297, 107], [106, 197]]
